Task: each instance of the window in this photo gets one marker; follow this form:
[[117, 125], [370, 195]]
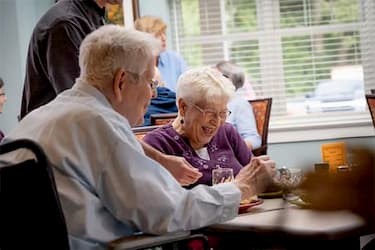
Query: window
[[295, 51]]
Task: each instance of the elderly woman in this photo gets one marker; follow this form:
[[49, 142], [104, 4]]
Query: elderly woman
[[242, 116], [199, 133]]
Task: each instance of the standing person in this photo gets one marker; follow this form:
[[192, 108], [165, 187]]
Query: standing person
[[52, 63], [107, 185], [3, 99], [52, 58], [242, 116], [170, 64]]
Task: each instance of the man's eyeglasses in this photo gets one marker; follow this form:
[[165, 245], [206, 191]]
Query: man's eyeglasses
[[154, 84], [212, 114]]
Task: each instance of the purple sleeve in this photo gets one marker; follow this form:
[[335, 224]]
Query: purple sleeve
[[241, 151]]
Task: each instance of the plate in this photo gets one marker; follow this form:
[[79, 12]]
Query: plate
[[270, 195], [300, 203], [243, 207]]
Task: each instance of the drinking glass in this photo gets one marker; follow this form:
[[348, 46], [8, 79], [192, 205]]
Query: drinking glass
[[220, 175], [289, 179]]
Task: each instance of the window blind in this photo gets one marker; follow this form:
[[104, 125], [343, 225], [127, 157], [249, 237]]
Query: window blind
[[315, 58]]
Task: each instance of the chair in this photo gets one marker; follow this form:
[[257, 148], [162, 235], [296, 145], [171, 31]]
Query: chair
[[371, 106], [140, 132], [262, 113], [31, 214], [162, 118]]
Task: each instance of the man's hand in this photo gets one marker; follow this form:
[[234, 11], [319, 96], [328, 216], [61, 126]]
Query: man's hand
[[181, 170], [256, 176], [184, 173]]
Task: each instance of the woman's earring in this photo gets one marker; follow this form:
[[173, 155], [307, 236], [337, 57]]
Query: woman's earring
[[182, 121]]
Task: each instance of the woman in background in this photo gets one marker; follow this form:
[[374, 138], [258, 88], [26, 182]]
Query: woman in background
[[170, 64]]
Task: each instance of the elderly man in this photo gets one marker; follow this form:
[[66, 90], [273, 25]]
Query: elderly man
[[52, 64], [107, 185]]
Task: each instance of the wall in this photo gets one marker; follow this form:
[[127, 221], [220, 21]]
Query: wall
[[17, 19], [305, 154]]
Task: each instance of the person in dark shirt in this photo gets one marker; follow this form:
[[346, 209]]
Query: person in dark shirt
[[52, 59]]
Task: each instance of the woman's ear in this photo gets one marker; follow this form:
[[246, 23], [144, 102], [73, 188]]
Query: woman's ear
[[119, 84], [181, 106]]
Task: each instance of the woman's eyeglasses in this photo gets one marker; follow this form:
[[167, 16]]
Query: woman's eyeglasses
[[212, 114]]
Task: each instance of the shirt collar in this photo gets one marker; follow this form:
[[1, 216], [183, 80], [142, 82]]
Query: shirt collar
[[92, 91]]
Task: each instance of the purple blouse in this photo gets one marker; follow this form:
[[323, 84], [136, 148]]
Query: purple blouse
[[226, 149]]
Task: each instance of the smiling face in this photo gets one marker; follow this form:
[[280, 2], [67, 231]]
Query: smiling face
[[202, 120]]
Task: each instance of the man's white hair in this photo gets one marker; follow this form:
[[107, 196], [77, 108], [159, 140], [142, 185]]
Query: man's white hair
[[203, 85], [112, 47]]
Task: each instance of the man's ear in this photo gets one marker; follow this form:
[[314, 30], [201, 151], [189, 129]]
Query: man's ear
[[119, 84]]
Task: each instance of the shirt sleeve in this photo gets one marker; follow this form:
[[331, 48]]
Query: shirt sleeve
[[62, 55], [246, 125], [240, 149], [136, 187]]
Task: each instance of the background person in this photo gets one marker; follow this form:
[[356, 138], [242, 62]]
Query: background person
[[108, 187], [3, 99], [242, 116], [200, 133], [170, 64], [52, 57]]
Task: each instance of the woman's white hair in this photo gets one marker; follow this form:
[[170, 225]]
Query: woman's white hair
[[112, 47], [203, 85]]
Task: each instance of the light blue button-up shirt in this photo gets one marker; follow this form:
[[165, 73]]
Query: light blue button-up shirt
[[242, 118], [108, 187], [171, 66]]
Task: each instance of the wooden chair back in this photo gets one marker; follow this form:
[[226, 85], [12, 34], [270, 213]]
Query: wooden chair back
[[371, 106], [162, 118], [262, 113], [140, 132]]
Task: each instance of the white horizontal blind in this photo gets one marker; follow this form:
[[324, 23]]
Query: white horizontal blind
[[287, 48]]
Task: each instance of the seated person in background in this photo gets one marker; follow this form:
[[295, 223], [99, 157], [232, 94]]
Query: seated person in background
[[170, 64], [242, 116], [3, 99], [163, 102], [200, 133], [108, 187]]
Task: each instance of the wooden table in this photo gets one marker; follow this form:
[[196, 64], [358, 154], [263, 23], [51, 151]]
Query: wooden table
[[276, 225]]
